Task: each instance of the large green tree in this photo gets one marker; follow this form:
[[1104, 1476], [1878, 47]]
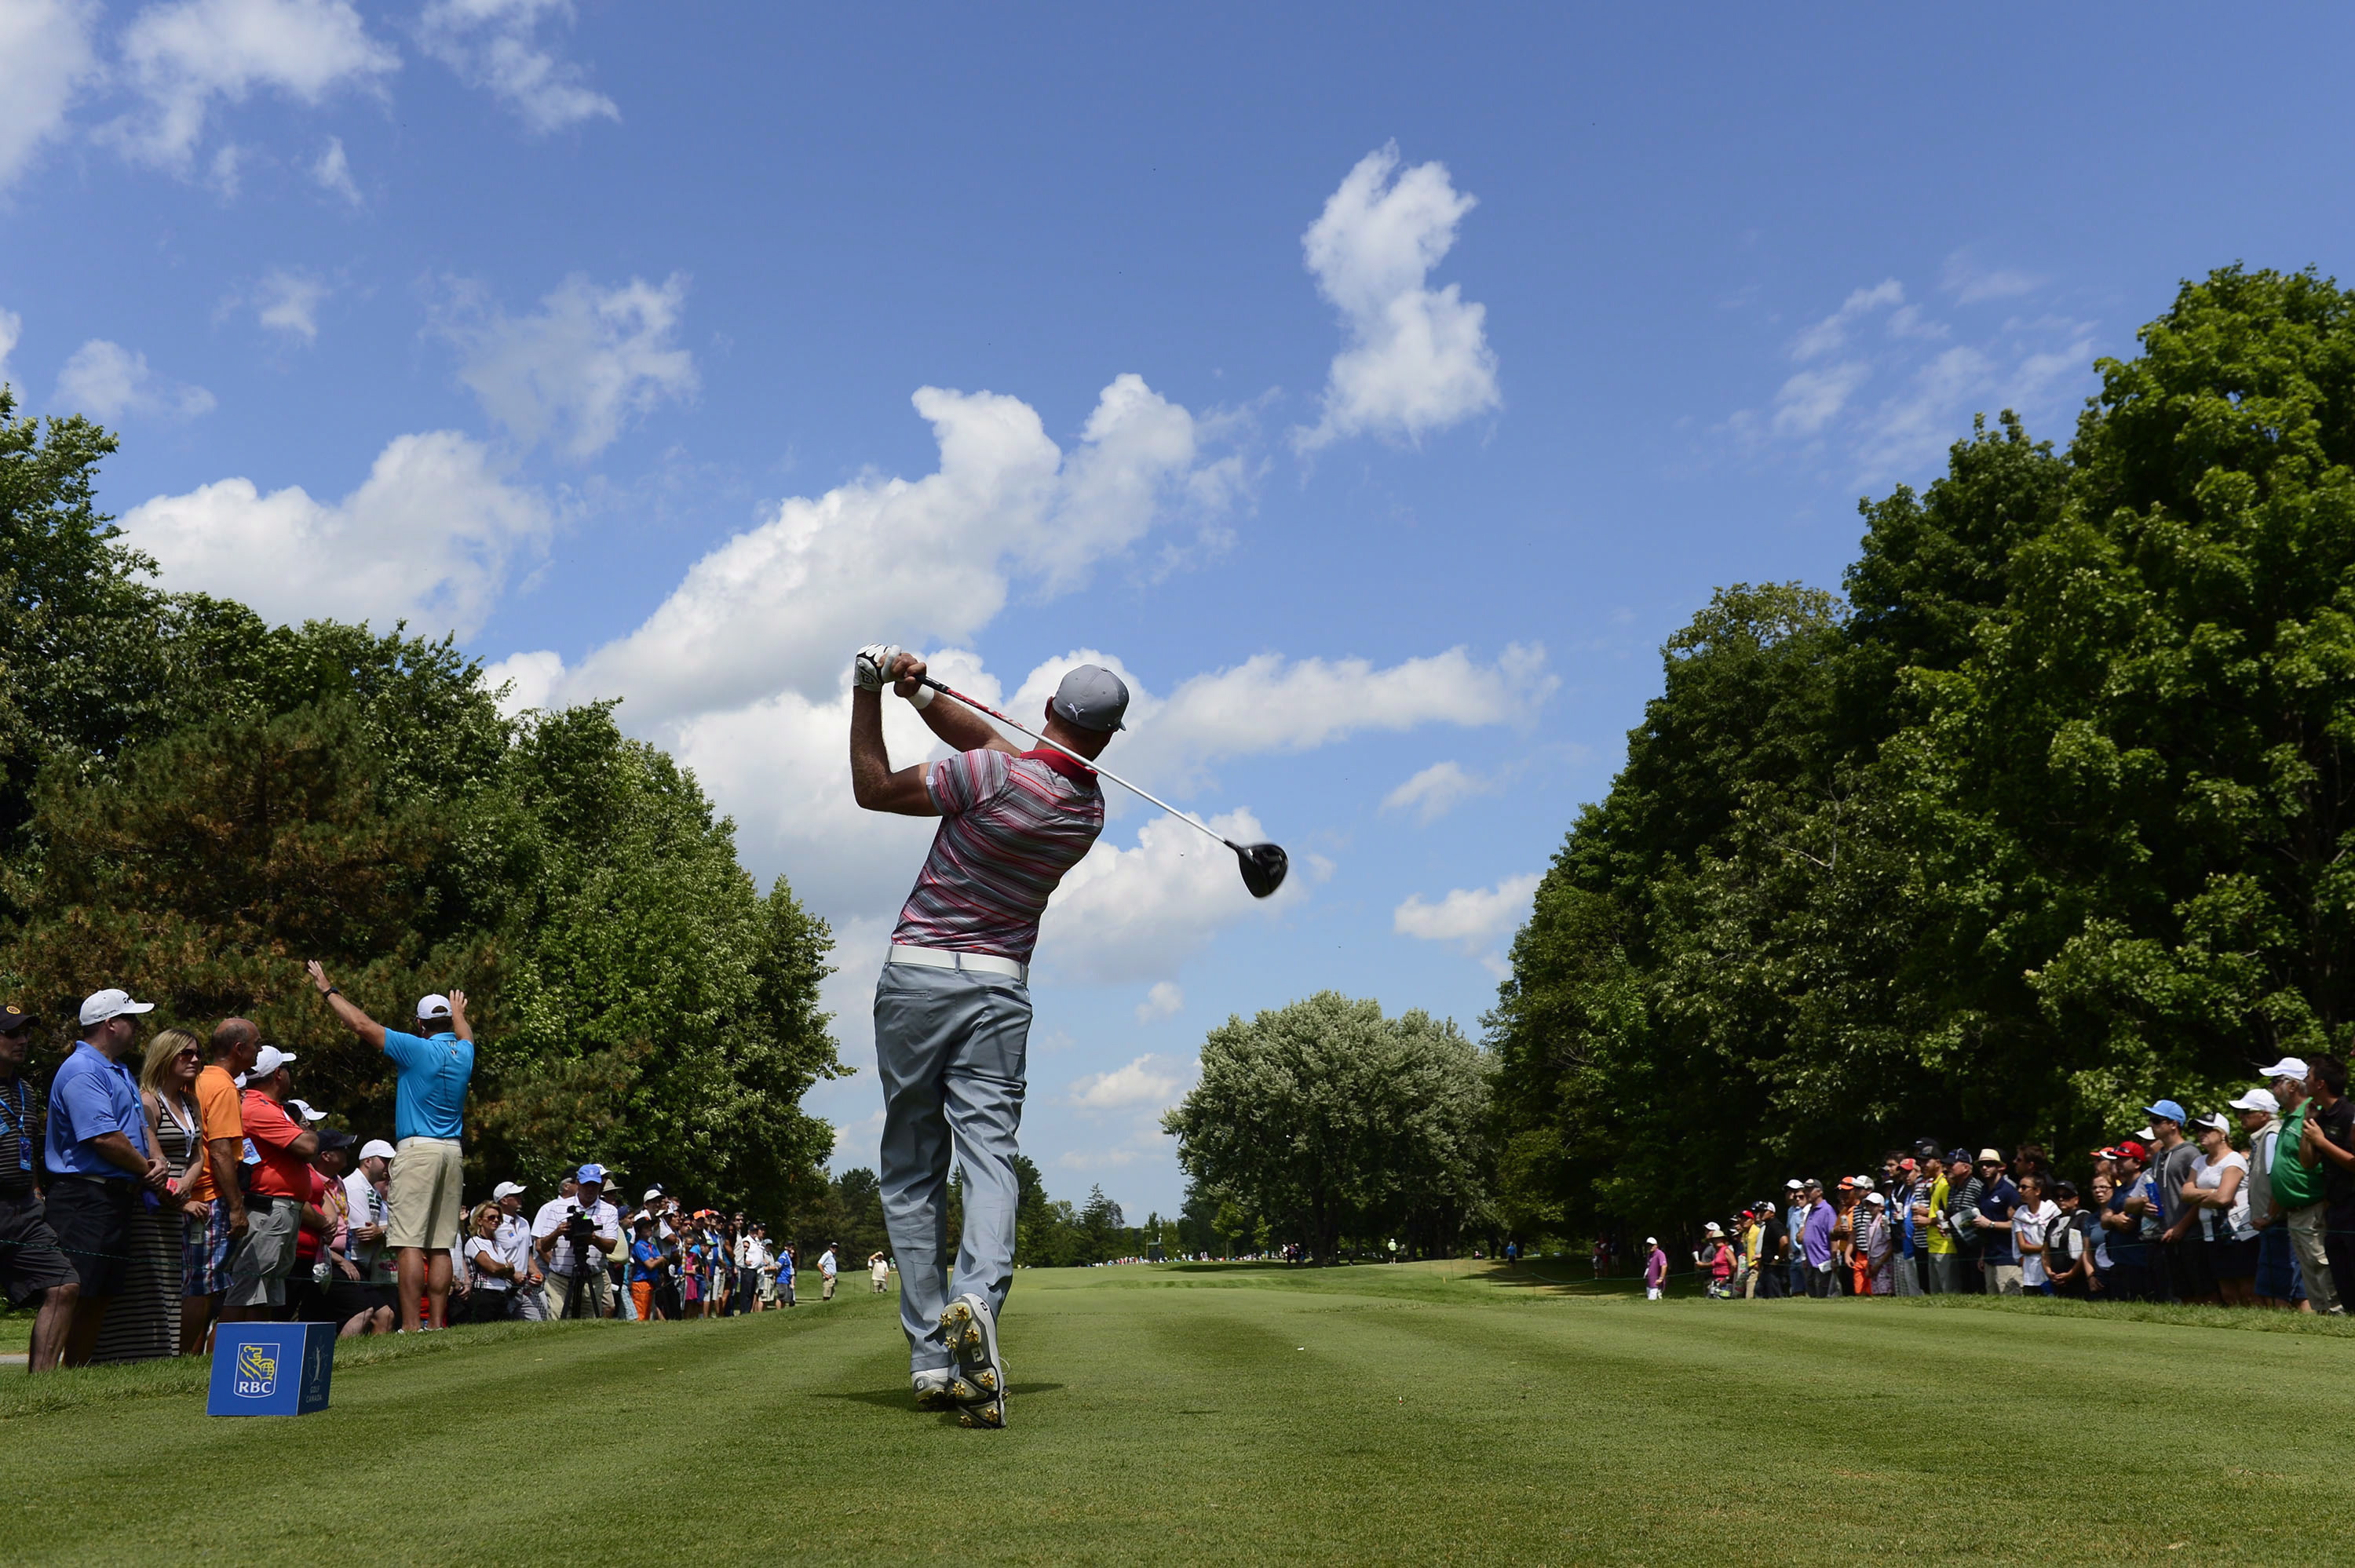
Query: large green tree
[[1329, 1120], [2052, 814], [193, 801]]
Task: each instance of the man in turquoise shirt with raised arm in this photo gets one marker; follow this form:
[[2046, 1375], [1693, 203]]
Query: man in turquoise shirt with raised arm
[[428, 1119]]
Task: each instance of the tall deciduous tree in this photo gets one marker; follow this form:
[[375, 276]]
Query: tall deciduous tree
[[1329, 1120], [193, 801], [2054, 815]]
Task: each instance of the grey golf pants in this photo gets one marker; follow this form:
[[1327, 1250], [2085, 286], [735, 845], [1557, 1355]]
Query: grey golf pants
[[951, 1048]]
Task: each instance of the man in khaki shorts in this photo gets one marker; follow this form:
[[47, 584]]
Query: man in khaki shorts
[[428, 1117]]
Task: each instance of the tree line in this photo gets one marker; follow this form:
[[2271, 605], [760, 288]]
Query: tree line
[[2048, 813], [193, 801]]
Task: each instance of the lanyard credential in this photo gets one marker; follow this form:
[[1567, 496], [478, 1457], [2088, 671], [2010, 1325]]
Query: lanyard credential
[[21, 1125]]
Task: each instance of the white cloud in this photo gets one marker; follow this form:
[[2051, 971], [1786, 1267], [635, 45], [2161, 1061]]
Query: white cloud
[[1435, 791], [495, 44], [927, 559], [288, 303], [12, 332], [227, 159], [1934, 386], [1809, 399], [1127, 916], [580, 367], [183, 56], [332, 170], [1830, 335], [1970, 283], [743, 672], [1469, 917], [533, 678], [45, 58], [1164, 1001], [1266, 705], [106, 381], [427, 537], [860, 1142], [1417, 358], [1148, 1083]]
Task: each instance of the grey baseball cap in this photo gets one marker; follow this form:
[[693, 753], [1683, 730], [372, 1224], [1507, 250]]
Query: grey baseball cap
[[1093, 697]]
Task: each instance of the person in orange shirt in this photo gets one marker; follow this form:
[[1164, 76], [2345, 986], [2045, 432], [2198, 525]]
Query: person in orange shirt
[[275, 1197], [204, 1271]]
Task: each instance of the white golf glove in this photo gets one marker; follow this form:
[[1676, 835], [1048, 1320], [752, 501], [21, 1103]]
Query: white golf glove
[[871, 670]]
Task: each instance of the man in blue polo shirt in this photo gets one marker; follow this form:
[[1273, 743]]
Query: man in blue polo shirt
[[99, 1158], [428, 1119], [1998, 1199]]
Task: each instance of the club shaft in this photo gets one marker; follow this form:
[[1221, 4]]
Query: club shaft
[[982, 707]]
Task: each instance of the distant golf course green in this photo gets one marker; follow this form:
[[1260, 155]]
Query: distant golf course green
[[1425, 1412]]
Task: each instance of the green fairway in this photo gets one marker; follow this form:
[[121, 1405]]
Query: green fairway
[[1427, 1412]]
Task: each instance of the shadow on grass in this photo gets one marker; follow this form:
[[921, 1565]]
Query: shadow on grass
[[1533, 1277], [900, 1399]]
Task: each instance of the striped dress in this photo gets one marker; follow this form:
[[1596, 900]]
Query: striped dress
[[1010, 828], [143, 1323]]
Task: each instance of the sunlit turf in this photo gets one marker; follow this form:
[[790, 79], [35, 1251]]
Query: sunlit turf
[[1441, 1412]]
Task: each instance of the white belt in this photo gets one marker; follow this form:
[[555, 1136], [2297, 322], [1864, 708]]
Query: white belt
[[979, 963]]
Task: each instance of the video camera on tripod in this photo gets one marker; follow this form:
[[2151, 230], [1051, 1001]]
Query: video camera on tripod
[[580, 1232]]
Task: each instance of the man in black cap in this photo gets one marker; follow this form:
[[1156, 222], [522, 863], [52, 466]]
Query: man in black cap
[[32, 1266]]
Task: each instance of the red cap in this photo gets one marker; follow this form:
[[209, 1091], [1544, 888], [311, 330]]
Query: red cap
[[2132, 1150]]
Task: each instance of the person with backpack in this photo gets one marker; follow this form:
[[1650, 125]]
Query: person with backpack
[[1716, 1264], [2276, 1286], [2069, 1247], [1962, 1217], [2034, 1217]]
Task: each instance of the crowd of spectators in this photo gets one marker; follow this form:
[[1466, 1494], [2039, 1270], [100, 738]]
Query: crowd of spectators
[[154, 1191], [2250, 1205]]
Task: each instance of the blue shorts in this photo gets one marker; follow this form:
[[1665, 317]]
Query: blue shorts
[[2277, 1277]]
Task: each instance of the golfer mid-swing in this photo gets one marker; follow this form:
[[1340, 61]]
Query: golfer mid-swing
[[952, 1007]]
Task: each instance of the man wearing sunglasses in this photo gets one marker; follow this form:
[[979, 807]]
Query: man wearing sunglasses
[[32, 1266]]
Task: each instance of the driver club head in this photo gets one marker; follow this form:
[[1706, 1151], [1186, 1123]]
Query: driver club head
[[1263, 867]]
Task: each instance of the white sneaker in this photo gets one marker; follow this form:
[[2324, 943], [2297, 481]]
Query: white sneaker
[[979, 1385], [933, 1391]]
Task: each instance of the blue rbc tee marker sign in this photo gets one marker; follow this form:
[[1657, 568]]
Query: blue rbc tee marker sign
[[272, 1369]]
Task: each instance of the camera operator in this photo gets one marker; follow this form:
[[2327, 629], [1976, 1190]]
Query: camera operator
[[596, 1225]]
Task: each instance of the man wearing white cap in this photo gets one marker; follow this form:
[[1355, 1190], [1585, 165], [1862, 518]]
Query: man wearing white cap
[[368, 1188], [2296, 1187], [2260, 1111], [428, 1120], [515, 1239], [100, 1154], [275, 1195], [580, 1285], [952, 1005]]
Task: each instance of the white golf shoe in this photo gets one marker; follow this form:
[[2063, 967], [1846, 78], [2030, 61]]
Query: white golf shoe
[[979, 1384]]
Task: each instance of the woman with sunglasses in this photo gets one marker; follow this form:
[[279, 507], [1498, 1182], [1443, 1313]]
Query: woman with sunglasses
[[148, 1319]]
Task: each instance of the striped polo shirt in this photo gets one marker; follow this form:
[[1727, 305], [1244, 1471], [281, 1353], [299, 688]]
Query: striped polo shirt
[[1010, 827]]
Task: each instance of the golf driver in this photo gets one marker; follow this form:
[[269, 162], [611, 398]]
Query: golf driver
[[1263, 865]]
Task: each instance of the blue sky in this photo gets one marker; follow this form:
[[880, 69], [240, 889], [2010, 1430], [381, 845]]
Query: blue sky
[[1376, 386]]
